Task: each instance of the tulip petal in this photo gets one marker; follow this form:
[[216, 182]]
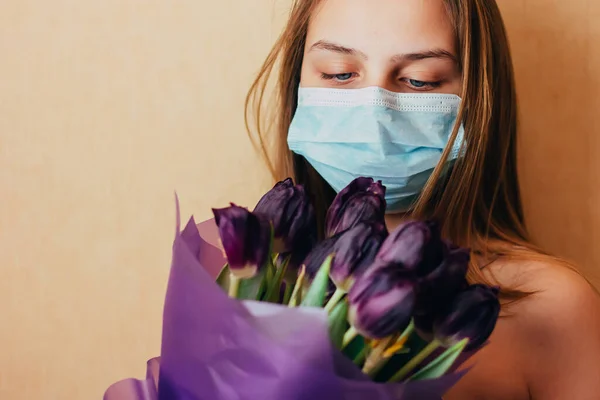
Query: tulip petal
[[355, 250], [417, 246], [289, 209], [362, 200], [246, 239], [472, 314], [381, 302]]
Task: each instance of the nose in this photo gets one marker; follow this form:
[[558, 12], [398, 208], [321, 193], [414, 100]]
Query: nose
[[381, 76]]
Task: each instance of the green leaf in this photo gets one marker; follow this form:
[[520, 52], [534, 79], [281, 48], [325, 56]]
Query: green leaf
[[441, 364], [315, 297], [223, 278], [338, 323], [274, 286], [252, 288]]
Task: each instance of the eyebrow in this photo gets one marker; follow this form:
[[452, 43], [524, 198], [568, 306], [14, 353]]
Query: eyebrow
[[424, 55], [417, 56], [337, 48]]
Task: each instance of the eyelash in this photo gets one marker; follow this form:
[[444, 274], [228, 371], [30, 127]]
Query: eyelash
[[426, 85], [409, 82], [334, 77]]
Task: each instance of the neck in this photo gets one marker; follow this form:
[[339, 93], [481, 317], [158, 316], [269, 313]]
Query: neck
[[392, 221]]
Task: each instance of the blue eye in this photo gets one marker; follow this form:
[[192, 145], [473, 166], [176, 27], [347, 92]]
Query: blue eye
[[338, 77], [421, 85], [417, 84], [343, 77]]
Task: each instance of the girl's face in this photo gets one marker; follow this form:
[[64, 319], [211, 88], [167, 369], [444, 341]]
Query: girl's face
[[405, 46]]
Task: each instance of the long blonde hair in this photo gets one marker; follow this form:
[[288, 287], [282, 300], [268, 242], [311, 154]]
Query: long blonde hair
[[477, 200]]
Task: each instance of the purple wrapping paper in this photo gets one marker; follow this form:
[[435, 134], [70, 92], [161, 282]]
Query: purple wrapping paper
[[217, 348]]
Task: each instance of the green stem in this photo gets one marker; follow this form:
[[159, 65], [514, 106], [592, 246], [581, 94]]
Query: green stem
[[274, 288], [270, 272], [349, 336], [415, 361], [269, 266], [399, 343], [295, 300], [374, 360], [234, 286], [407, 332], [335, 298]]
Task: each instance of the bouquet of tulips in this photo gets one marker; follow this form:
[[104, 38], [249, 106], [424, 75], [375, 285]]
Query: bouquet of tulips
[[354, 313]]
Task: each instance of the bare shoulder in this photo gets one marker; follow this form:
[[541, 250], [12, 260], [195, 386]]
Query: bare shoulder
[[554, 288], [546, 345], [556, 329]]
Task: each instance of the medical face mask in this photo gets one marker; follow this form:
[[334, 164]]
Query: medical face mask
[[397, 138]]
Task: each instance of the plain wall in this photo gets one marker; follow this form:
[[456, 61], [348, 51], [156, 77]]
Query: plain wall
[[107, 107]]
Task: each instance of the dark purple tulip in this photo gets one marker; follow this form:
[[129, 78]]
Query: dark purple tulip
[[381, 302], [316, 257], [417, 246], [292, 215], [444, 281], [438, 267], [472, 314], [355, 251], [362, 200], [246, 239], [424, 325], [296, 257]]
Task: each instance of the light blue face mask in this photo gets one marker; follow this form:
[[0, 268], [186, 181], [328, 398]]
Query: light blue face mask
[[397, 138]]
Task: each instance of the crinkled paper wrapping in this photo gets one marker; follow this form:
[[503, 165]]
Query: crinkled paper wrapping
[[217, 348]]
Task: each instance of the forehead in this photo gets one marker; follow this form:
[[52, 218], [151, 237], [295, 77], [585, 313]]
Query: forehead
[[383, 26]]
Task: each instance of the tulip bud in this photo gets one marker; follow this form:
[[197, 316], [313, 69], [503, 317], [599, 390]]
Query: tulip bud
[[472, 315], [444, 281], [246, 239], [355, 250], [316, 257], [296, 257], [292, 215], [362, 200], [381, 302], [416, 246], [424, 325]]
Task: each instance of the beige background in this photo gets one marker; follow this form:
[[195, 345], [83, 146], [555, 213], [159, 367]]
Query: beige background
[[107, 107]]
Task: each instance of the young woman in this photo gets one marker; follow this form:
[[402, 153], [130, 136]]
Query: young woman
[[421, 94]]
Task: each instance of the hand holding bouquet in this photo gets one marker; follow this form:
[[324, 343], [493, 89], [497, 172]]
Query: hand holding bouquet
[[361, 312]]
